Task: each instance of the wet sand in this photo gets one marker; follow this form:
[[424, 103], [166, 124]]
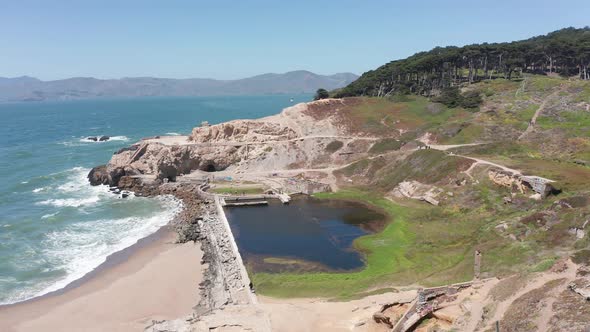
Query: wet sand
[[152, 280]]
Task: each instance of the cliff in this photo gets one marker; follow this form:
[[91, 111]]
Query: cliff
[[300, 137]]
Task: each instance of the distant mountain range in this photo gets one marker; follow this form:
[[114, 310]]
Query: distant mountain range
[[27, 88]]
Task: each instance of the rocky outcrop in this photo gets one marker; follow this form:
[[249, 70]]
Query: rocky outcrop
[[242, 131], [416, 190], [99, 175], [290, 140]]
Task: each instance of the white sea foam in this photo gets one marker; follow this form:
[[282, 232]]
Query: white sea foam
[[173, 134], [49, 215], [71, 202], [119, 138], [77, 248], [76, 191], [36, 190], [82, 247], [83, 141]]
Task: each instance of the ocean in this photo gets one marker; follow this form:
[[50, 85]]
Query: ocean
[[55, 227]]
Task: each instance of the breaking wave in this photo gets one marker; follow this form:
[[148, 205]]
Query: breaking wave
[[94, 224]]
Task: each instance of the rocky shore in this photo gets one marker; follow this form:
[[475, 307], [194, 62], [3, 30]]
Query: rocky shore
[[199, 221]]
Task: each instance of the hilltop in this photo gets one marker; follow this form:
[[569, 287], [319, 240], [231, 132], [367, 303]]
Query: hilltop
[[565, 52], [32, 89]]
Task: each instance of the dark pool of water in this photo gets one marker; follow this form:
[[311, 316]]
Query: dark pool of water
[[306, 235]]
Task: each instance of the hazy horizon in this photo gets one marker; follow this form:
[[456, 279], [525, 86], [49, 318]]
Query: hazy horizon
[[174, 78]]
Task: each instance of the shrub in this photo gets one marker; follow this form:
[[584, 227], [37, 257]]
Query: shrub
[[321, 94], [334, 146], [471, 99], [386, 144], [452, 98]]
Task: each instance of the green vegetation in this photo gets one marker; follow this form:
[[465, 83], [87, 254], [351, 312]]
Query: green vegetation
[[386, 144], [421, 245], [432, 245], [427, 166], [237, 190], [334, 146], [321, 94], [544, 265], [565, 51], [383, 116], [452, 97]]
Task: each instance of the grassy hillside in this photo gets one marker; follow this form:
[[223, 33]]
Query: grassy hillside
[[433, 245]]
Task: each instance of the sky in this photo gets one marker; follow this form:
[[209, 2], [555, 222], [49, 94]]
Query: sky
[[225, 39]]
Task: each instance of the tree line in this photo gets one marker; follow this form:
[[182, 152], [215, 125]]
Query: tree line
[[564, 52]]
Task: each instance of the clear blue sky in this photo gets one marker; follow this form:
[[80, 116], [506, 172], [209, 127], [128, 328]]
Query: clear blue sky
[[233, 39]]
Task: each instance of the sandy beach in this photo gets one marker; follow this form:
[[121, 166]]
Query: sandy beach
[[150, 281]]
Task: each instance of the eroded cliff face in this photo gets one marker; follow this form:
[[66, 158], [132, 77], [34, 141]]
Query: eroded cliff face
[[293, 139]]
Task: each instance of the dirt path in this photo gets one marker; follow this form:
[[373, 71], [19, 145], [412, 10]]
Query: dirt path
[[542, 279], [183, 140], [533, 121], [486, 162], [542, 321], [445, 147]]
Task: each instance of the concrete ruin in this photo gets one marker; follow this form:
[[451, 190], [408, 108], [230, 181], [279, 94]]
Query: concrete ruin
[[521, 183], [419, 191]]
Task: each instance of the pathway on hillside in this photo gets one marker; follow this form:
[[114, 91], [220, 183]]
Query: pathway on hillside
[[502, 307], [183, 140], [533, 121]]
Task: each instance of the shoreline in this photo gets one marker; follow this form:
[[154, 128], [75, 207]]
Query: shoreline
[[126, 292], [112, 260]]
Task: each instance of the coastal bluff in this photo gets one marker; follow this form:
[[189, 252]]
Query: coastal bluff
[[304, 136]]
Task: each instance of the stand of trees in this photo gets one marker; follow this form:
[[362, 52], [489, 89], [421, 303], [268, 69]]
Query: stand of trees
[[565, 52]]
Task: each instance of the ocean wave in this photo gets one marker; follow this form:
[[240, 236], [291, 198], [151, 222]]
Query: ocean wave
[[76, 191], [71, 202], [119, 138], [76, 245], [173, 134], [36, 190], [49, 215], [82, 247]]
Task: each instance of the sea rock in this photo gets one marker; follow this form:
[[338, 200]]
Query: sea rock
[[99, 175], [105, 174], [92, 138], [103, 138]]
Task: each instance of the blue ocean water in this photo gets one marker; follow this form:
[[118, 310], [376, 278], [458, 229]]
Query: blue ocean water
[[55, 227]]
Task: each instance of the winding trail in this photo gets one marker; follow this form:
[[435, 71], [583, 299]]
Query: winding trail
[[502, 307], [533, 121]]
